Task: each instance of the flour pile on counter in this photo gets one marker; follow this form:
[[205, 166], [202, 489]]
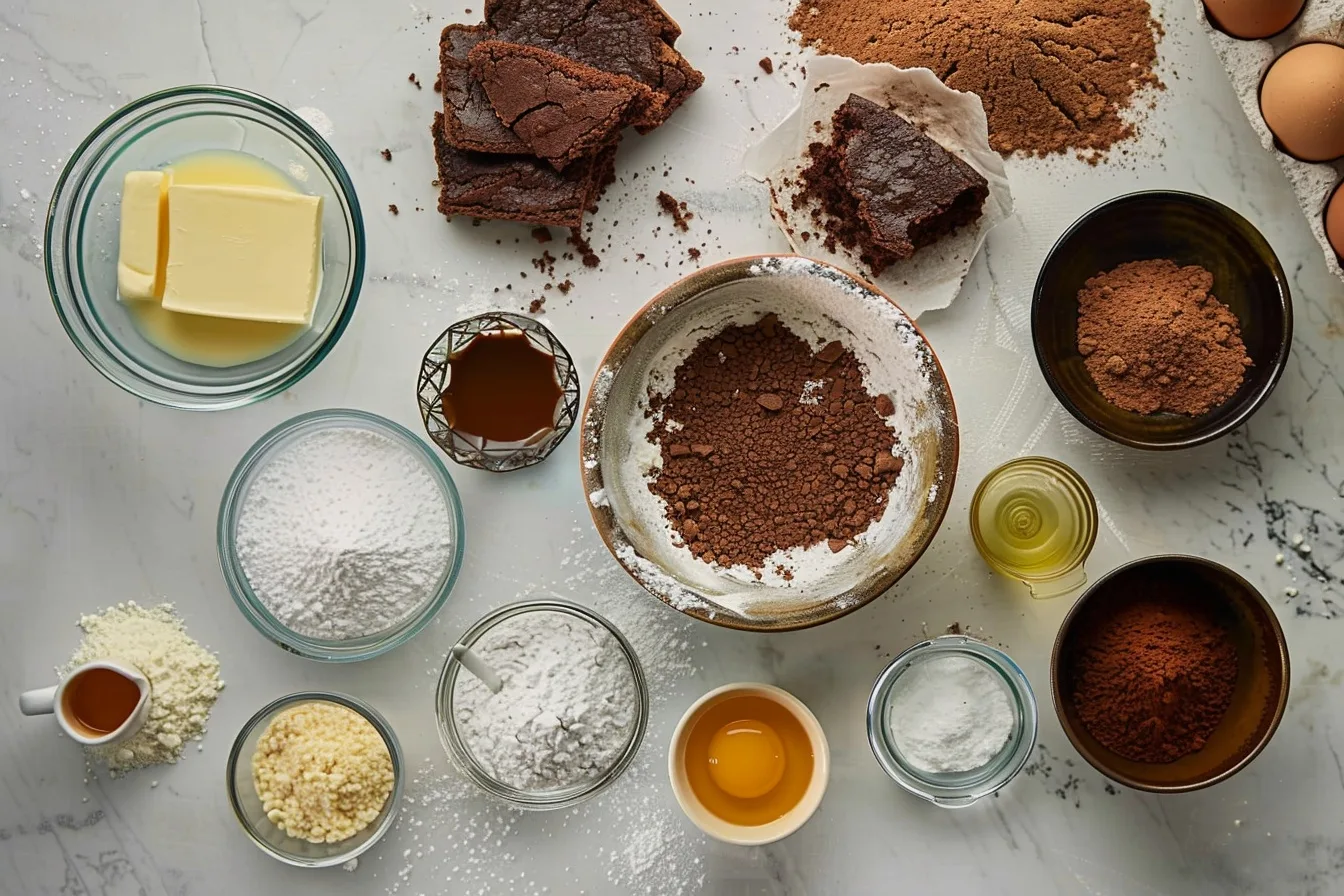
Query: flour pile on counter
[[183, 677], [344, 534], [565, 711]]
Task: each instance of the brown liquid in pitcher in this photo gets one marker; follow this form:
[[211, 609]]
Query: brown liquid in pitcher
[[100, 700], [501, 388]]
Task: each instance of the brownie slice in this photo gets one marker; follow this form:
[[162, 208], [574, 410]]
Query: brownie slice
[[886, 188], [470, 120], [623, 37], [518, 188], [563, 110]]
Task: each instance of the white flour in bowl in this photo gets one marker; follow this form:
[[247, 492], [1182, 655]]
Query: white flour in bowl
[[344, 534], [566, 710]]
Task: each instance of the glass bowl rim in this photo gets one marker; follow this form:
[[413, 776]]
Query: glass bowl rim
[[373, 717], [457, 751], [230, 505], [1016, 753], [77, 168]]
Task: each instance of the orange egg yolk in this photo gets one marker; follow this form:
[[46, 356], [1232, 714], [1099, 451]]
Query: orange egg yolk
[[746, 759]]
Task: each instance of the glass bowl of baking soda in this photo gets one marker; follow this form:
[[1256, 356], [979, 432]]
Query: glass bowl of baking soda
[[542, 704], [952, 720]]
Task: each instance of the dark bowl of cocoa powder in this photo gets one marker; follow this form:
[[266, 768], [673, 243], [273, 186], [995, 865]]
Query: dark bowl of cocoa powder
[[1162, 320], [769, 444], [1170, 674]]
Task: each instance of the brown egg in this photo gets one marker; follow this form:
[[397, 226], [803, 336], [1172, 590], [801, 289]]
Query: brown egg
[[1334, 221], [1251, 19], [1302, 101]]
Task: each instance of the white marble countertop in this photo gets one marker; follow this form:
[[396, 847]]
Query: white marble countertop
[[104, 498]]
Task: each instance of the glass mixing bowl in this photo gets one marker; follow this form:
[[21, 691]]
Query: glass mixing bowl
[[461, 754], [83, 229], [251, 814], [235, 493]]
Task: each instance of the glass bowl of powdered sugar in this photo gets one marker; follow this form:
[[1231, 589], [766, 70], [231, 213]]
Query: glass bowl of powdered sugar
[[340, 535], [952, 720], [569, 713]]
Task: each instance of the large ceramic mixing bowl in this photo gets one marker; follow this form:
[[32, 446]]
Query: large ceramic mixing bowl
[[809, 297]]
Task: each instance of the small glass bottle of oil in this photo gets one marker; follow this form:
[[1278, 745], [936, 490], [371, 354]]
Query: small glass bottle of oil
[[1034, 519]]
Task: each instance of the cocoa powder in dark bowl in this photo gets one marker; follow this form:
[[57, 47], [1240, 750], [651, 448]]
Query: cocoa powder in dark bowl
[[1186, 230], [1130, 698], [689, 438]]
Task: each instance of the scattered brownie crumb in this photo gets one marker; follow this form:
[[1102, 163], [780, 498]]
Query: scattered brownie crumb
[[565, 287], [767, 65], [416, 81], [677, 210], [536, 306], [541, 234], [394, 210], [694, 253], [386, 154], [590, 259]]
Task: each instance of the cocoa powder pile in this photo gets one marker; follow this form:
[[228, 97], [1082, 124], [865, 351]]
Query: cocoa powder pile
[[1054, 75], [1154, 338], [1153, 678], [769, 445]]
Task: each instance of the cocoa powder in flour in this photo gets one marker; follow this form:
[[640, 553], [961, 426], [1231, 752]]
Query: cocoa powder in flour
[[1054, 75], [1154, 338], [769, 445]]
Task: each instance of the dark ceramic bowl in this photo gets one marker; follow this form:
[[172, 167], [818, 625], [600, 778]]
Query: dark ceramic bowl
[[1187, 229], [1262, 682]]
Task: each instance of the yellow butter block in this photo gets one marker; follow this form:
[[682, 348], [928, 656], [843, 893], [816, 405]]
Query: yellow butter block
[[246, 253], [140, 255]]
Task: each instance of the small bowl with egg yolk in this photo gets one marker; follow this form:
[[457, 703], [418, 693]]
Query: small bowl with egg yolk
[[749, 764]]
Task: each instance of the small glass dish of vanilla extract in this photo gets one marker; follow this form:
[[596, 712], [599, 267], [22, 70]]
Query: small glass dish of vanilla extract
[[498, 392]]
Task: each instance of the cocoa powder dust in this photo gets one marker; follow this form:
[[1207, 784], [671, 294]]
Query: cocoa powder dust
[[1054, 75], [1154, 338], [768, 445]]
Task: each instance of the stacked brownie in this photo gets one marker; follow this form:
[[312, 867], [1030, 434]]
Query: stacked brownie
[[535, 99]]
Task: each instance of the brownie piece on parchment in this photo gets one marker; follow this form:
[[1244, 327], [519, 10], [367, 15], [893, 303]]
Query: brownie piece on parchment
[[885, 187]]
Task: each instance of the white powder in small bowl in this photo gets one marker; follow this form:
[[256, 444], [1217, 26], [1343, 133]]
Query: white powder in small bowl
[[344, 534], [567, 708], [950, 714]]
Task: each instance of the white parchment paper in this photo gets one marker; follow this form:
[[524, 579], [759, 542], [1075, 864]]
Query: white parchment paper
[[932, 277]]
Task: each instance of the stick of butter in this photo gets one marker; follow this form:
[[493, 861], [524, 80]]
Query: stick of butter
[[141, 252], [247, 253]]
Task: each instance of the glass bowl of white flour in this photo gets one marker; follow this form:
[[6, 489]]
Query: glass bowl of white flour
[[340, 535], [952, 720], [568, 717]]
